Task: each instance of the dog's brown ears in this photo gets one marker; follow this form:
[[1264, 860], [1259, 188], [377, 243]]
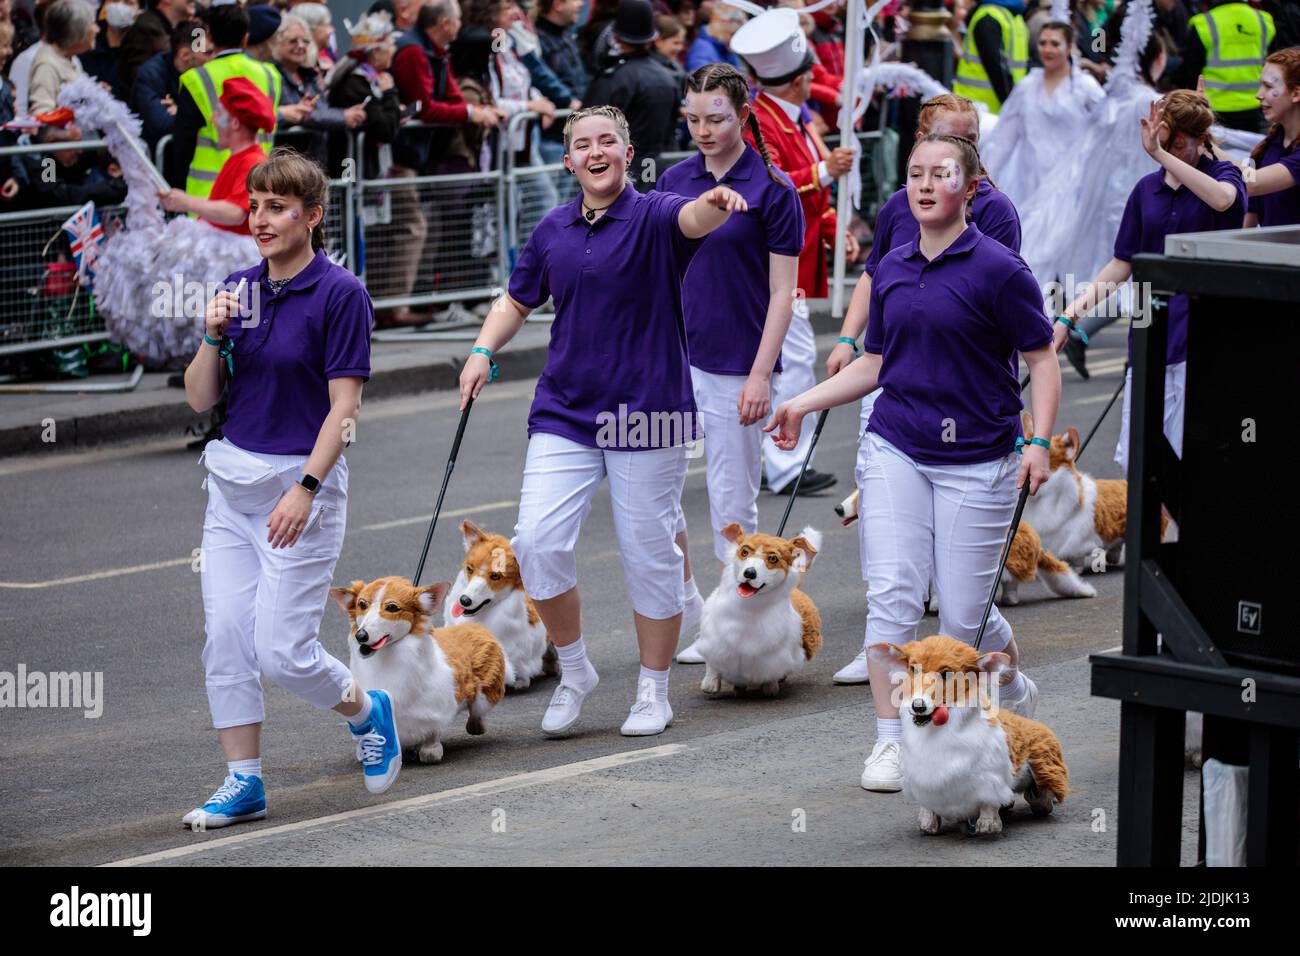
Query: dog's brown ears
[[472, 533], [733, 532], [431, 597], [1027, 423], [802, 544], [1071, 443], [346, 598]]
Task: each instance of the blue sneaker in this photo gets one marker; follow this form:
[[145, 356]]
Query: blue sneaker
[[378, 748], [242, 797]]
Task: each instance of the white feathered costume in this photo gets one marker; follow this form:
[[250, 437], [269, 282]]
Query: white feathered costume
[[150, 265]]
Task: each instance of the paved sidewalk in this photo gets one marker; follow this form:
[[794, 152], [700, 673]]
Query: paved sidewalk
[[154, 410]]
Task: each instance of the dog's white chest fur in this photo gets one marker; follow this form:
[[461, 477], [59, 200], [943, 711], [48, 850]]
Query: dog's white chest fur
[[755, 640], [1067, 528], [957, 768], [419, 679], [506, 616]]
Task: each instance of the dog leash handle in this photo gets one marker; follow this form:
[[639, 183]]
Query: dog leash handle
[[446, 478], [794, 492], [1006, 552]]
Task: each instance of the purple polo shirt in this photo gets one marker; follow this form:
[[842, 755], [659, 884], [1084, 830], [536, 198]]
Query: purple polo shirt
[[726, 292], [618, 342], [1281, 208], [317, 328], [992, 211], [1156, 210], [947, 330]]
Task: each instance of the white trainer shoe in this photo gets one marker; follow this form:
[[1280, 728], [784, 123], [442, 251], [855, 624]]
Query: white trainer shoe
[[690, 655], [883, 772], [1027, 704], [691, 615], [565, 708], [648, 717], [854, 672]]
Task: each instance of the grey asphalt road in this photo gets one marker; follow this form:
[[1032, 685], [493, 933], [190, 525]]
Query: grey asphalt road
[[95, 576]]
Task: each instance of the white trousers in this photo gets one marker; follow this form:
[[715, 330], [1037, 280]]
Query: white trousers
[[645, 487], [798, 374], [1175, 405], [262, 607], [733, 454], [949, 521], [868, 402]]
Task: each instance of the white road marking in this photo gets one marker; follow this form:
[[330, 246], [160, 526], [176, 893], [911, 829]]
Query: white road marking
[[533, 778], [454, 513], [97, 575]]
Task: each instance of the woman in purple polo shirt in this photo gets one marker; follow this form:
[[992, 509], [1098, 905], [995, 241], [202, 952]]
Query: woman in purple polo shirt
[[290, 340], [1190, 192], [1275, 188], [737, 298], [996, 217], [614, 400], [949, 311]]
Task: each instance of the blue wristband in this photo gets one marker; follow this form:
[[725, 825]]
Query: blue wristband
[[225, 347], [494, 372], [848, 341], [1041, 442], [1074, 329], [211, 341]]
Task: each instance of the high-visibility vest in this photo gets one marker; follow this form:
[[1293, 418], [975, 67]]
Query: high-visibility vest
[[972, 81], [1236, 38], [205, 84]]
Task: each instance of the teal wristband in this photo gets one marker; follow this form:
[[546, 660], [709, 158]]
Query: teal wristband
[[211, 341], [848, 341], [1074, 329], [1040, 442], [225, 347], [494, 372]]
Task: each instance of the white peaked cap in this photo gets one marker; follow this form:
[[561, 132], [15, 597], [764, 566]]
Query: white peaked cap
[[774, 46]]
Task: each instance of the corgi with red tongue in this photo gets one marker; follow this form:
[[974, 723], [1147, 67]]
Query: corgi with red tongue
[[758, 627]]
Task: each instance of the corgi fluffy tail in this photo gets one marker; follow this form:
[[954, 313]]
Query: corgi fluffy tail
[[1061, 579]]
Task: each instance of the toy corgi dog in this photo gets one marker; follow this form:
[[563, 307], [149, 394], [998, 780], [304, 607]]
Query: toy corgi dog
[[758, 628], [965, 759], [432, 674], [489, 591], [1080, 519], [1026, 562]]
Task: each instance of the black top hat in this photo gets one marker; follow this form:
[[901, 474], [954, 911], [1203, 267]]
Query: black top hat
[[635, 22]]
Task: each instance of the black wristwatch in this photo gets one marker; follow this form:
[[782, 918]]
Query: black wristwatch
[[310, 482]]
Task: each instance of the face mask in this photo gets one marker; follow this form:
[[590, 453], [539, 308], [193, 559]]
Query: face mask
[[120, 15]]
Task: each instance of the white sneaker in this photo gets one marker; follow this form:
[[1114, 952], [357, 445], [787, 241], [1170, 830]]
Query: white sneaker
[[1027, 704], [690, 655], [648, 716], [565, 708], [854, 672], [882, 772]]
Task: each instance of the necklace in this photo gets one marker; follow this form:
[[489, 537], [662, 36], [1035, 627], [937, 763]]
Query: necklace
[[591, 211]]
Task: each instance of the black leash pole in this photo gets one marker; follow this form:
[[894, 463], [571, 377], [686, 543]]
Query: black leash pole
[[817, 433], [1104, 413], [437, 508], [1006, 552]]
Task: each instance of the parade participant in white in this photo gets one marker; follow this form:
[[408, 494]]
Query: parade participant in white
[[292, 343], [613, 260], [948, 313]]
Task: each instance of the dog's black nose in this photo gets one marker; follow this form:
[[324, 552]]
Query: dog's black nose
[[751, 573], [465, 601], [362, 636], [918, 706]]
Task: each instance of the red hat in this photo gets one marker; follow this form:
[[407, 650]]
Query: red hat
[[246, 103]]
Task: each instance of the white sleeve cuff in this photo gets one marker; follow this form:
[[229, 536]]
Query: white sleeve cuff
[[824, 174]]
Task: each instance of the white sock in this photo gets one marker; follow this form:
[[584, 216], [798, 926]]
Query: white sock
[[661, 682], [1015, 689], [361, 717], [690, 590], [575, 669], [887, 729], [246, 768]]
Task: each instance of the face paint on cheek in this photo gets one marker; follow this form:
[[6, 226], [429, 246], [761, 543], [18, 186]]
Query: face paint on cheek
[[295, 215], [952, 177]]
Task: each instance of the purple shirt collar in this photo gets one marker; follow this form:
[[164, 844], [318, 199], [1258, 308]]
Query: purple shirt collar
[[620, 209], [961, 245], [312, 273], [741, 170]]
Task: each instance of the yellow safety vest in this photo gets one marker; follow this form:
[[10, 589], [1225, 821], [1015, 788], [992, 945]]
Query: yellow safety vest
[[972, 81], [205, 84], [1236, 37]]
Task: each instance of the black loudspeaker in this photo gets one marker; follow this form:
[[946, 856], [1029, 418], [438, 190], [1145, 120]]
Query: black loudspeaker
[[1239, 521]]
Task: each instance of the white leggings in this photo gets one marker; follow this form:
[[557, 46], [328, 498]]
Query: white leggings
[[645, 487], [262, 608], [949, 521], [798, 374], [734, 455], [1175, 403]]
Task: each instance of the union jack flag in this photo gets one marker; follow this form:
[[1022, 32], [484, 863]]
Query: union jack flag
[[85, 236]]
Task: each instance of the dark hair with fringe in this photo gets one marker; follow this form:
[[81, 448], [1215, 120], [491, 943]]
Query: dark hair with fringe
[[725, 77], [287, 172]]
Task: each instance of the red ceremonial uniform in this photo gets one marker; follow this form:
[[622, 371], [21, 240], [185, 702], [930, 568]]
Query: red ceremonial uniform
[[232, 183], [789, 151]]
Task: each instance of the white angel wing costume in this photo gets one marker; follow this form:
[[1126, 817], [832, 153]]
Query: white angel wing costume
[[153, 278]]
